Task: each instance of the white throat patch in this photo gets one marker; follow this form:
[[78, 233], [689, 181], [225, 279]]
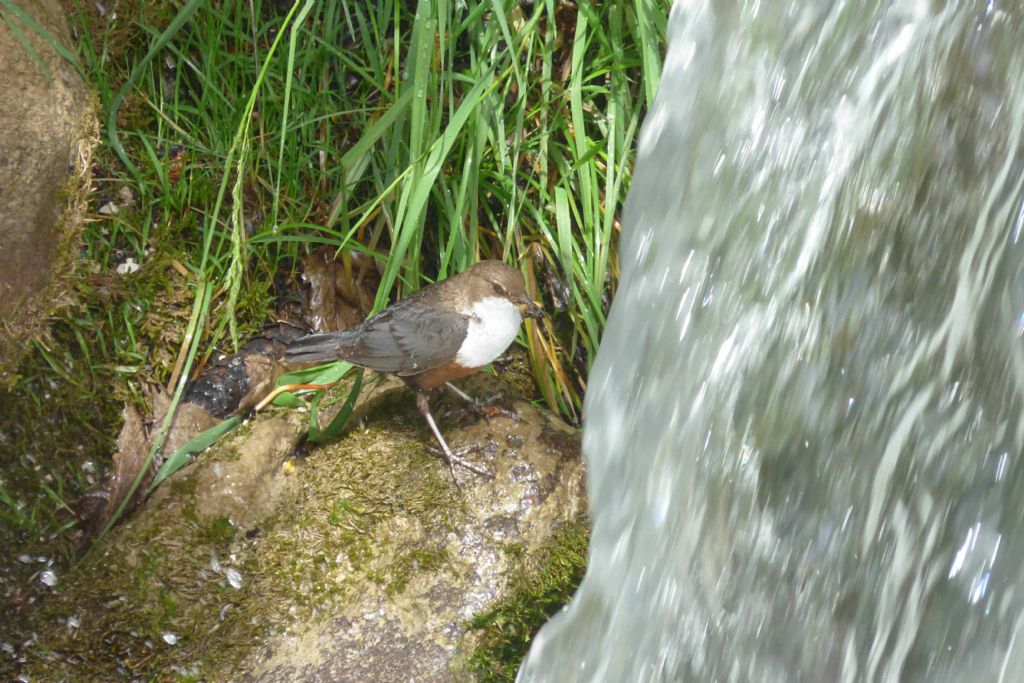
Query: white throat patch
[[494, 325]]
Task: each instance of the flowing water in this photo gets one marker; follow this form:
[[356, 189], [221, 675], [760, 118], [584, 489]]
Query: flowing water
[[804, 426]]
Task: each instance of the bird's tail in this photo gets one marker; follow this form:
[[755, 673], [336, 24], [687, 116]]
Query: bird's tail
[[317, 348]]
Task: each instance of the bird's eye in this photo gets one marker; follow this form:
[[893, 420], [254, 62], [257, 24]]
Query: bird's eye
[[499, 290]]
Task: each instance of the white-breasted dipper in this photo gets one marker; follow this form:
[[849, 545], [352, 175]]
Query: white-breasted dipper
[[443, 332]]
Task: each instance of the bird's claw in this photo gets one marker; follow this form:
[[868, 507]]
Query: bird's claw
[[454, 457], [484, 409], [488, 409]]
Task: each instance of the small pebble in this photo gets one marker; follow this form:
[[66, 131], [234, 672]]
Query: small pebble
[[128, 267], [125, 198], [49, 578]]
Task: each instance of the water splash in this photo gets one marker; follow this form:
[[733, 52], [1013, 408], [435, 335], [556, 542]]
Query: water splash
[[804, 426]]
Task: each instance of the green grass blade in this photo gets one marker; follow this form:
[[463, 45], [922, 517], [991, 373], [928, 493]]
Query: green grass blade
[[338, 422], [197, 444]]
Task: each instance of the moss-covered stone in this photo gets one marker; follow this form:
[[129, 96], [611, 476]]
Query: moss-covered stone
[[541, 584], [367, 558]]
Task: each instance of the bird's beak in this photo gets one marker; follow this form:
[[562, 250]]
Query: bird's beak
[[531, 309]]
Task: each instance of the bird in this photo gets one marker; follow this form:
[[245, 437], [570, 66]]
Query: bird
[[438, 334]]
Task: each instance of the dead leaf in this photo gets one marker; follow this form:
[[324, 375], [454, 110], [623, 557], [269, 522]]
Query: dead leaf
[[100, 504], [341, 290], [134, 443]]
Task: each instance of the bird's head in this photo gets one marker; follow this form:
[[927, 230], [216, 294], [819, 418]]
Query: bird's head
[[494, 278]]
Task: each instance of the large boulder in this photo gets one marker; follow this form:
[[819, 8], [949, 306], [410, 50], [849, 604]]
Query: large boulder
[[47, 132], [364, 562]]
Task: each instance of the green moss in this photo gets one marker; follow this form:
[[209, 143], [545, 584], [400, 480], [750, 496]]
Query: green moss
[[188, 512], [348, 489], [343, 512], [343, 517], [183, 486], [541, 585], [218, 532], [169, 604], [409, 564]]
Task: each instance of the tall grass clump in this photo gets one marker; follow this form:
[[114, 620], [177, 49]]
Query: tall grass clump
[[428, 134]]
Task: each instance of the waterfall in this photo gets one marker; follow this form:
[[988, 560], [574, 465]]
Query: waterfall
[[803, 429]]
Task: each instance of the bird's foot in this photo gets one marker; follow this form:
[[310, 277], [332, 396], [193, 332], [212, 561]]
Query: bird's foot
[[455, 456], [484, 409], [487, 409]]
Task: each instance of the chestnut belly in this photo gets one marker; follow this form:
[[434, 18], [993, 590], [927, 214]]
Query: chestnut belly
[[436, 377]]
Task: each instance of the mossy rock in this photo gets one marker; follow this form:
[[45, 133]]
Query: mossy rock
[[366, 562]]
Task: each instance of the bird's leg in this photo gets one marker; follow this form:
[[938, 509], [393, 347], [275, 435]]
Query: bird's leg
[[423, 404], [482, 408]]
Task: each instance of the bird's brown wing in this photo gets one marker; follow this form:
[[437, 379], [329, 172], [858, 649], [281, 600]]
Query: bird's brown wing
[[407, 338]]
